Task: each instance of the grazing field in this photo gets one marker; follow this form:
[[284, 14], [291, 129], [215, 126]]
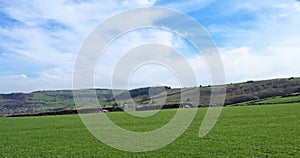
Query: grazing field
[[291, 99], [280, 99], [248, 131]]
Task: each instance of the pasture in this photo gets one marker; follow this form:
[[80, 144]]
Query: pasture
[[246, 131]]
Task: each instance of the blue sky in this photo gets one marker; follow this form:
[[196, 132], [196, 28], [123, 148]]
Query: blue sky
[[39, 40]]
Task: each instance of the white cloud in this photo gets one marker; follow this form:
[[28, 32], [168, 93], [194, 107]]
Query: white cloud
[[139, 3], [271, 23], [243, 64], [47, 38], [23, 83], [188, 5], [264, 47], [120, 48], [39, 52]]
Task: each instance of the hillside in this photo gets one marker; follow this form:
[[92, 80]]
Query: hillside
[[285, 90]]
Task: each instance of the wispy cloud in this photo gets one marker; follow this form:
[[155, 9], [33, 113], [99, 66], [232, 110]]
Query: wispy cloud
[[39, 39], [186, 6]]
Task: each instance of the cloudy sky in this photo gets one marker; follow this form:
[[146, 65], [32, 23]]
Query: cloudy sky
[[39, 41]]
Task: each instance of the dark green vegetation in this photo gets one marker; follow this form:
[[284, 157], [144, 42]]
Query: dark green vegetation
[[248, 131], [246, 93]]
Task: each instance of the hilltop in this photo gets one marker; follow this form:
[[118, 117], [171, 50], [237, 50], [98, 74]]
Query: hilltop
[[285, 90]]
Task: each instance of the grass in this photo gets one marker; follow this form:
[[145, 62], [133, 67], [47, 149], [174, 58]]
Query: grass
[[51, 100], [280, 99], [272, 100], [249, 131]]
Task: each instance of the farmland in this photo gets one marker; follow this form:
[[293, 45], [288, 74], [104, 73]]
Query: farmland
[[248, 93], [243, 131]]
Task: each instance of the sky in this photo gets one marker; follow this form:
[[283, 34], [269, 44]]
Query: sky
[[40, 40]]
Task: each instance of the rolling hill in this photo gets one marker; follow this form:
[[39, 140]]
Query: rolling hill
[[285, 90]]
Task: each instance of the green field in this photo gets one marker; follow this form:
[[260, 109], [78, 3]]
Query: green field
[[248, 131], [272, 100], [280, 99]]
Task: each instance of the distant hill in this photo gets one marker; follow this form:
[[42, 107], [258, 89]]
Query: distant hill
[[286, 90]]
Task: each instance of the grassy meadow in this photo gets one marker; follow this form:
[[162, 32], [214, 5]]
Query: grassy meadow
[[280, 99], [246, 131]]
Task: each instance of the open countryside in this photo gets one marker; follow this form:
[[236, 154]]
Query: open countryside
[[149, 78], [252, 127]]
